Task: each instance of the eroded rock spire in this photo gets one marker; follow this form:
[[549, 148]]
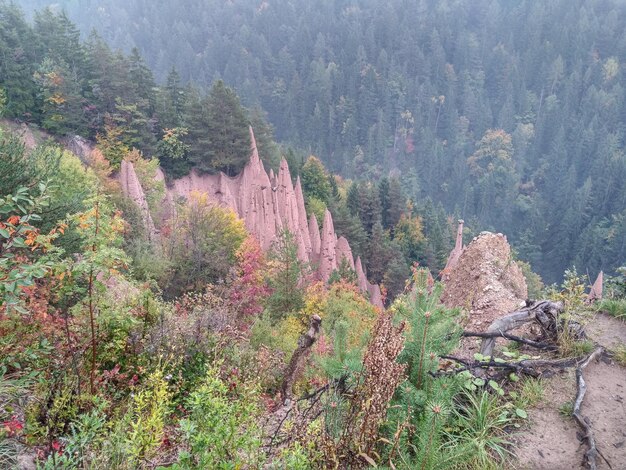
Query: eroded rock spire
[[268, 204]]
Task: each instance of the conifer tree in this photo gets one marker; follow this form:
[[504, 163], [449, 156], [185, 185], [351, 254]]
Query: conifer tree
[[223, 122], [285, 275], [315, 181]]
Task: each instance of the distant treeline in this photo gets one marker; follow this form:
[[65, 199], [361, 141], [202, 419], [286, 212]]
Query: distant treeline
[[510, 113]]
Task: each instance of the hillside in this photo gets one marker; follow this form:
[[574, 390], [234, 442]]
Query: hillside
[[514, 124], [180, 289]]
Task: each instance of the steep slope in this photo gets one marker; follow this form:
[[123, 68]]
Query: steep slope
[[484, 279], [268, 204]]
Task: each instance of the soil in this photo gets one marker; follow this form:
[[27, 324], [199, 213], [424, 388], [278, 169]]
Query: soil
[[28, 137], [486, 281], [552, 439]]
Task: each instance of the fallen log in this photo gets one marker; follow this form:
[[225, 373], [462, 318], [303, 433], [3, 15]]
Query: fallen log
[[518, 339], [544, 313]]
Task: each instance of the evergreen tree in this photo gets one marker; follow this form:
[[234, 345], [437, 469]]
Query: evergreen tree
[[143, 83], [16, 65], [379, 253], [222, 124], [172, 101], [286, 273], [315, 180]]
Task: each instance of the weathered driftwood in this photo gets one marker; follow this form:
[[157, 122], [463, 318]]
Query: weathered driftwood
[[299, 356], [583, 421], [532, 367], [518, 339], [545, 313]]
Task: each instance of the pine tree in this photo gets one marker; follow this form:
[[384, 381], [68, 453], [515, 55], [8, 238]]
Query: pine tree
[[171, 101], [369, 208], [17, 63], [142, 82], [286, 273], [222, 124], [379, 253]]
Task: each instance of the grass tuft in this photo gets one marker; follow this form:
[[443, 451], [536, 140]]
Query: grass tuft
[[614, 307]]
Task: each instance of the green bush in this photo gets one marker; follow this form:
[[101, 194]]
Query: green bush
[[221, 429], [480, 422]]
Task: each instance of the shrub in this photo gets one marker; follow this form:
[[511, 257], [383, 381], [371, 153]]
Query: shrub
[[201, 243], [220, 430], [146, 419]]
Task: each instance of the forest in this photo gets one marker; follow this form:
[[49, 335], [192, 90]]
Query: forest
[[155, 332], [417, 89]]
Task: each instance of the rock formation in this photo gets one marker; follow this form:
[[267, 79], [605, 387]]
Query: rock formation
[[79, 146], [596, 290], [316, 241], [133, 190], [360, 275], [328, 253], [344, 252], [268, 204], [485, 280], [455, 254]]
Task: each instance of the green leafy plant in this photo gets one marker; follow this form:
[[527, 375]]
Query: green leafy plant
[[19, 239], [83, 444], [619, 354], [566, 409], [575, 314], [149, 409], [614, 307], [529, 393], [221, 429], [481, 421]]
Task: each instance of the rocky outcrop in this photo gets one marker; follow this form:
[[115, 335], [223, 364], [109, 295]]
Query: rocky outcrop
[[485, 280], [455, 254], [344, 252], [133, 190], [596, 290], [328, 252], [303, 227], [268, 204], [79, 146], [316, 240], [360, 275]]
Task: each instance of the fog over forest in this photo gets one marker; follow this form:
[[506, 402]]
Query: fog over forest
[[413, 88], [312, 234]]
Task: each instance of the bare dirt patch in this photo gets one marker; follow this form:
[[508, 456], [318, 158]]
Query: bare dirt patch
[[552, 440], [607, 331]]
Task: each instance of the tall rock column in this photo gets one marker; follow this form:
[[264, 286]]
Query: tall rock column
[[328, 255], [303, 227], [131, 187], [455, 254], [316, 240]]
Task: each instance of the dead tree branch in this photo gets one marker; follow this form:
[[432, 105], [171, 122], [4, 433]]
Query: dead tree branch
[[532, 367], [545, 313], [518, 339], [299, 356], [583, 421]]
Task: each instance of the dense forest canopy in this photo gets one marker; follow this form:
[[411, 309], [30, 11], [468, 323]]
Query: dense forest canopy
[[53, 80], [509, 121], [195, 318]]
